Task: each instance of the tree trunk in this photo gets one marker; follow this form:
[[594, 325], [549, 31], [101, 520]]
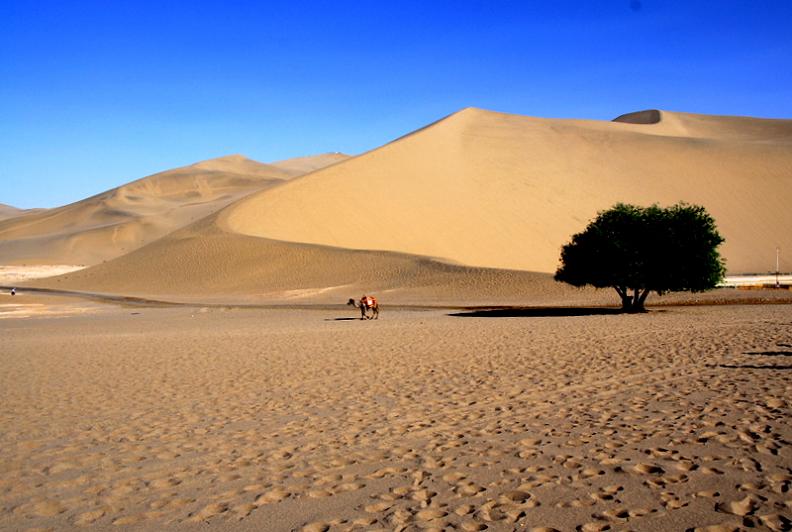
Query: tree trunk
[[643, 299], [632, 303], [625, 297]]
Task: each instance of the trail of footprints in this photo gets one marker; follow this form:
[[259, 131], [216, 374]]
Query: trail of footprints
[[423, 452]]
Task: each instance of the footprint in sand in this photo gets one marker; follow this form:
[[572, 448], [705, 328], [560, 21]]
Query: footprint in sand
[[743, 507], [243, 510], [472, 526], [316, 527], [377, 507], [386, 472], [128, 520], [465, 509], [274, 495], [48, 508], [430, 514], [593, 527], [87, 518], [209, 511], [648, 469]]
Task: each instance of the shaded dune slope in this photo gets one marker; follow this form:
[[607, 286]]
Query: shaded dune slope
[[202, 262], [124, 218], [495, 190]]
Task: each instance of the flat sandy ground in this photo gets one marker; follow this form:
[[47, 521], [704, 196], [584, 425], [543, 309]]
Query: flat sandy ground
[[190, 418]]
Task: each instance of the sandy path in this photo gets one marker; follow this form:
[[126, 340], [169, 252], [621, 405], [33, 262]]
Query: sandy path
[[279, 420]]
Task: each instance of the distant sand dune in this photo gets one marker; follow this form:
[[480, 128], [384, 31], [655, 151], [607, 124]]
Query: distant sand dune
[[7, 211], [122, 219]]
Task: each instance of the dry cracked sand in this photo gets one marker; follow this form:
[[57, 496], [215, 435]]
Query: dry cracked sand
[[189, 418]]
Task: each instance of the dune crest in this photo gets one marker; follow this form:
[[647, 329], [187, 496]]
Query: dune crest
[[649, 116], [734, 128]]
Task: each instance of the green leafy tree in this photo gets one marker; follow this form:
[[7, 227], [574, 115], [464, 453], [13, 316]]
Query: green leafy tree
[[638, 250]]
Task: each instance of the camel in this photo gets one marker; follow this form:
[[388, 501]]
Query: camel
[[366, 303]]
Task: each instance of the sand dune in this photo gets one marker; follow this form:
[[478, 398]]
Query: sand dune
[[471, 209], [122, 219], [495, 190], [304, 165], [202, 262], [710, 126], [7, 211]]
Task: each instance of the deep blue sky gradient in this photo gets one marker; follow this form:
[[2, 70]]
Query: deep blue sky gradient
[[94, 94]]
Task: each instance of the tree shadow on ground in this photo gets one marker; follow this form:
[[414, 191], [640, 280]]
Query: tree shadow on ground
[[342, 319], [770, 353], [537, 312], [755, 366]]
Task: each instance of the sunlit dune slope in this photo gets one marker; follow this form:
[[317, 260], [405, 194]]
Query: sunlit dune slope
[[122, 219], [496, 190], [304, 165]]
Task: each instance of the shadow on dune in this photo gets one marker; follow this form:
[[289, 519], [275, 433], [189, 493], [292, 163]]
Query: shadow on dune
[[771, 353], [755, 366], [537, 312]]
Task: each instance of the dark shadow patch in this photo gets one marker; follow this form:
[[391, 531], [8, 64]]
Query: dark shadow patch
[[784, 345], [770, 353], [537, 312], [343, 319], [755, 366]]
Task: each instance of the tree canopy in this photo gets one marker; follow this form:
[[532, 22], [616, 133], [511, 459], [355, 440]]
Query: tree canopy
[[645, 249]]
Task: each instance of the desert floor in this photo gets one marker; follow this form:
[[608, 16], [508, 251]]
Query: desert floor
[[261, 419]]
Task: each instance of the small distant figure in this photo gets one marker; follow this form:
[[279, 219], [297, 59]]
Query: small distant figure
[[366, 303], [13, 291]]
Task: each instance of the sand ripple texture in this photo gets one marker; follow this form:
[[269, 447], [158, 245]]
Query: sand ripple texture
[[292, 420]]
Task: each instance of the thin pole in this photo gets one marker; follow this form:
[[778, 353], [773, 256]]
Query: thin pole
[[778, 252]]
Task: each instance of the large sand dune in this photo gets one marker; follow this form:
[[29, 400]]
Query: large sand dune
[[495, 190], [122, 219]]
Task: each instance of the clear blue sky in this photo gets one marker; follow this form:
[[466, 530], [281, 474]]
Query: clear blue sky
[[97, 93]]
